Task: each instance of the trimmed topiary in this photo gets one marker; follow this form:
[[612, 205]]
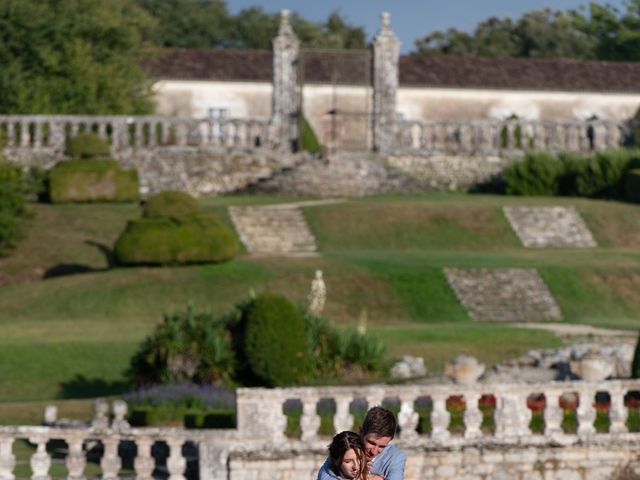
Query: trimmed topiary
[[196, 238], [87, 145], [92, 181], [170, 204], [632, 186], [275, 341]]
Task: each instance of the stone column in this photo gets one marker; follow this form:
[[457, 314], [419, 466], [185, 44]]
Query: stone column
[[386, 52], [284, 115]]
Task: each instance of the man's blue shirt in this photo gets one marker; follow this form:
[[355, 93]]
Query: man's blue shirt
[[389, 464]]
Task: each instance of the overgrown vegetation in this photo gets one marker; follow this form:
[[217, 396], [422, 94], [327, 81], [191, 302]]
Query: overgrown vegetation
[[263, 340], [12, 205], [601, 175]]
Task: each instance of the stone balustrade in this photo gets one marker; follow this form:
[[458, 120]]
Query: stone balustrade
[[492, 137], [260, 413], [49, 132]]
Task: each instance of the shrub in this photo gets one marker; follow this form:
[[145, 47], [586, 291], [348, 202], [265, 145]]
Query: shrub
[[537, 174], [632, 186], [12, 205], [308, 139], [187, 346], [170, 204], [87, 145], [275, 341], [196, 238], [92, 181]]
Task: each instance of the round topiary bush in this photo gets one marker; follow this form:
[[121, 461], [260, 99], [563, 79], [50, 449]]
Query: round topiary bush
[[87, 145], [275, 341], [196, 238], [170, 204]]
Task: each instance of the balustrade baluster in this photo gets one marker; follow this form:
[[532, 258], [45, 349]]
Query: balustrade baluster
[[176, 463], [618, 412], [144, 463], [440, 417], [110, 462], [74, 128], [310, 420], [138, 133], [586, 412], [153, 140], [181, 133], [76, 460], [472, 416], [7, 458], [102, 129], [512, 416], [37, 135], [553, 414], [11, 134], [25, 137], [165, 133], [342, 420], [425, 137], [40, 460], [407, 417]]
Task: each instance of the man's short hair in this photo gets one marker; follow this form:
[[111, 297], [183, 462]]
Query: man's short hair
[[380, 422]]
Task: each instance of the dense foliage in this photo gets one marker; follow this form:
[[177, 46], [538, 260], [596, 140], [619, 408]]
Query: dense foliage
[[208, 24], [601, 32], [73, 56], [92, 181], [275, 341], [263, 340], [87, 145], [196, 238], [171, 204], [12, 205], [601, 175]]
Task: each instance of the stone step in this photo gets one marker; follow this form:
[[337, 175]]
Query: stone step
[[503, 294], [273, 230]]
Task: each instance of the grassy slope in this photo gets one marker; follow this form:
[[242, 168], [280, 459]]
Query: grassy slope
[[71, 336]]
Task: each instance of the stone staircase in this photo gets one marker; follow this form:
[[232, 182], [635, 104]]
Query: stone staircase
[[274, 230], [503, 294]]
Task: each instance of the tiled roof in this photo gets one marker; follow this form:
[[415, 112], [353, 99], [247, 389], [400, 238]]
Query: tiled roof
[[350, 67]]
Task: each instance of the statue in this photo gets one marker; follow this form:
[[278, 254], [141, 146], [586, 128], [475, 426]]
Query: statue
[[318, 294]]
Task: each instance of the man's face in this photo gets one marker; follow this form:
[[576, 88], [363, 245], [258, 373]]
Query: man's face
[[374, 445]]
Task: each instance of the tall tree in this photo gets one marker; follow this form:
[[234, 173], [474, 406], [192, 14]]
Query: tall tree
[[72, 56]]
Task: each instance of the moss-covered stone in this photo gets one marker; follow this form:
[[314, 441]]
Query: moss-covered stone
[[92, 181], [196, 238], [171, 204], [87, 145]]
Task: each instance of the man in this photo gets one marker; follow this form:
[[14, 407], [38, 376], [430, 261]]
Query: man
[[386, 462]]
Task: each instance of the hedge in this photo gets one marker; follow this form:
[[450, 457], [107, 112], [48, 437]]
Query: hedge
[[92, 181], [196, 238], [170, 204]]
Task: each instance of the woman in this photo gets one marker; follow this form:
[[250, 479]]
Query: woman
[[347, 456]]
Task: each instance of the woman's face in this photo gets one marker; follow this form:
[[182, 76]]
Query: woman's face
[[350, 465]]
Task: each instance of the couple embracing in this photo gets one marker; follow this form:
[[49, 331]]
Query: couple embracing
[[366, 455]]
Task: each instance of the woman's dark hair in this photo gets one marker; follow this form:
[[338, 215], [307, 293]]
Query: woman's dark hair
[[341, 444]]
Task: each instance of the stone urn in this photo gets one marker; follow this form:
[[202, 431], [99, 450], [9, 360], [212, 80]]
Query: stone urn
[[593, 367], [464, 370]]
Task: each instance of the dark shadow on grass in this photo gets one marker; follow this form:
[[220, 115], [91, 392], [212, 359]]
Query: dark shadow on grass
[[83, 387], [64, 269]]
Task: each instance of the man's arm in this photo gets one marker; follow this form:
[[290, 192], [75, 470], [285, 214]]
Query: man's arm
[[394, 470], [325, 472]]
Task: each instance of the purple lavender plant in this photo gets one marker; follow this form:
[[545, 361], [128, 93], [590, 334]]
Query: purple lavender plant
[[183, 395]]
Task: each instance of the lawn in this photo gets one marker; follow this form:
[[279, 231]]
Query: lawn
[[69, 320]]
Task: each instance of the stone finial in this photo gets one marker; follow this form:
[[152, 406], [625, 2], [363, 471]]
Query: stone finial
[[285, 26], [464, 370], [50, 415], [101, 409], [120, 423], [385, 17], [318, 294]]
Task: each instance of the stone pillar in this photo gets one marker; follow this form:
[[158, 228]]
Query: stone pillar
[[386, 52], [284, 115]]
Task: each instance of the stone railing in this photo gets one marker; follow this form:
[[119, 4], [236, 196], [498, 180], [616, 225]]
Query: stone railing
[[260, 413], [50, 132], [499, 138]]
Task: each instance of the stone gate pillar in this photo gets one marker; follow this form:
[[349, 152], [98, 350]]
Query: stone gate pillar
[[386, 51], [286, 50]]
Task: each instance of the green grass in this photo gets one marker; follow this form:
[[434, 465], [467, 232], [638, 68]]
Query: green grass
[[71, 335]]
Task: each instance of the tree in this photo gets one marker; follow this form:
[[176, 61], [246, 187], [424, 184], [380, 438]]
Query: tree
[[73, 56], [189, 24]]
